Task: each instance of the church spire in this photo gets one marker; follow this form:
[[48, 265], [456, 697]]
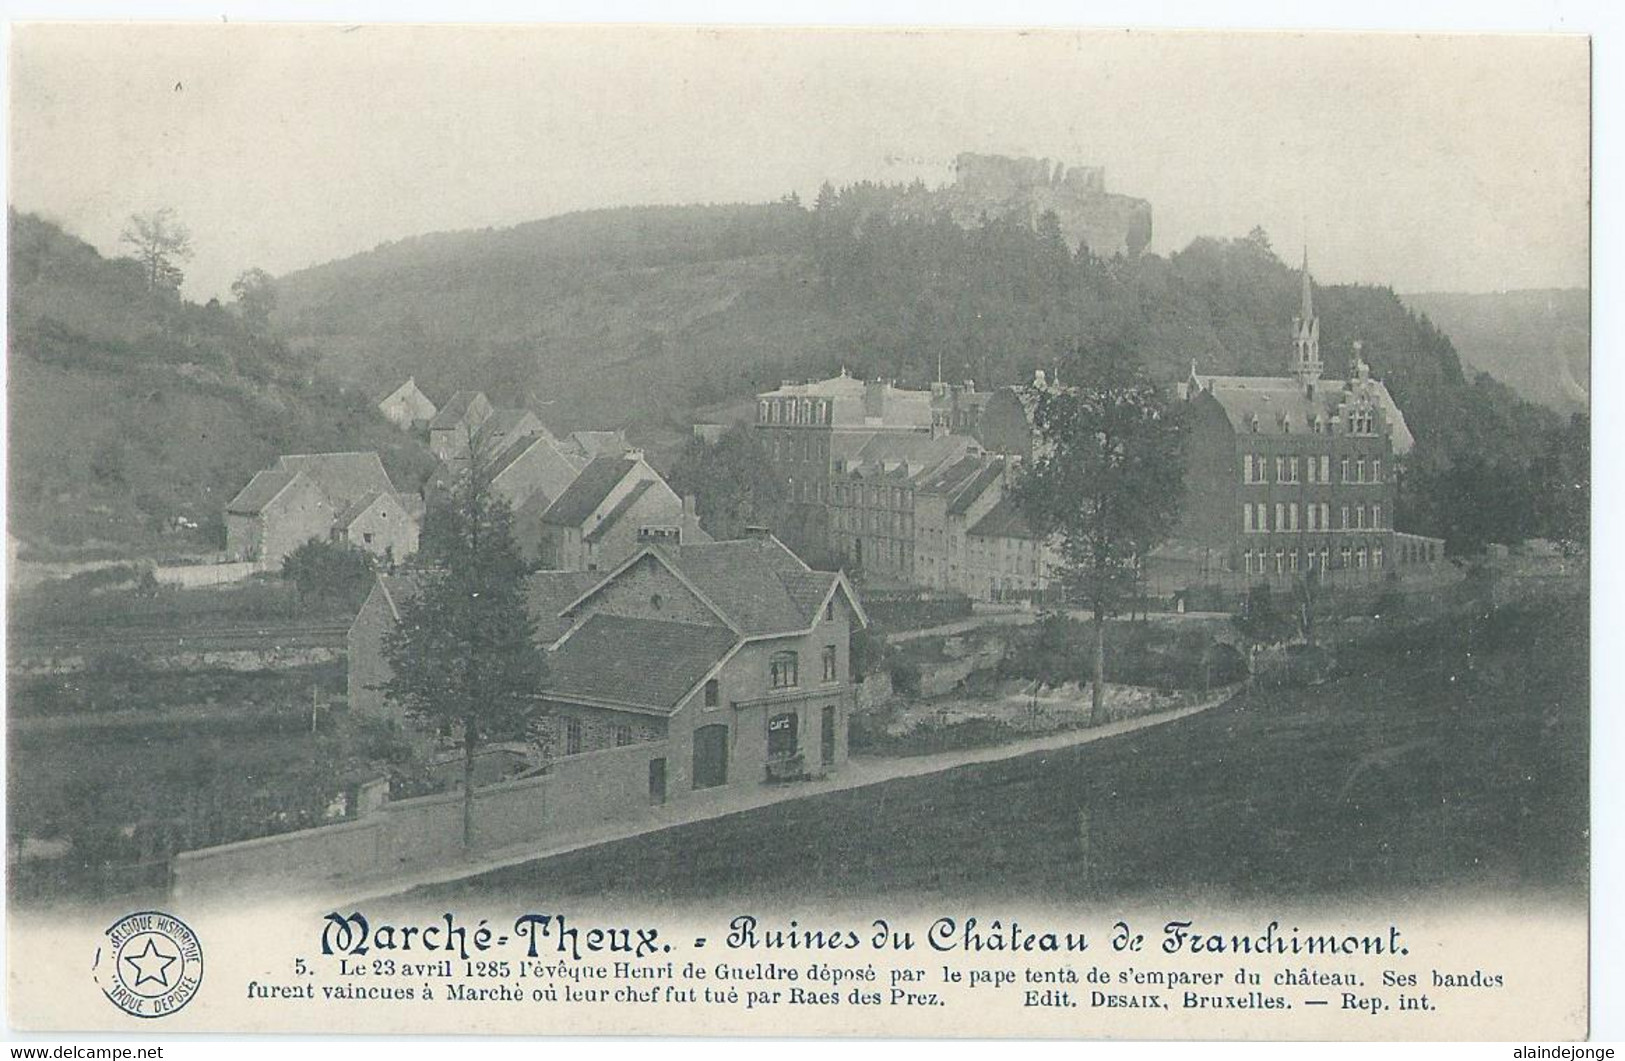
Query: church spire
[[1308, 295], [1306, 365]]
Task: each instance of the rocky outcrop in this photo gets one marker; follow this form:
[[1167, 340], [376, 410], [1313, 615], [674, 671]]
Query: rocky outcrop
[[1003, 187]]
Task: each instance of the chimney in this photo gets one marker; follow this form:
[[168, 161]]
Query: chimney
[[754, 531], [691, 506], [1038, 378]]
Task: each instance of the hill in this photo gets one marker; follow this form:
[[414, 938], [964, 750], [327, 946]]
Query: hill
[[640, 317], [1536, 342], [134, 416]]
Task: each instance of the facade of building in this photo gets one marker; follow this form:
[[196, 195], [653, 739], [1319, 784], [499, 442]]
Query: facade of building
[[947, 503], [872, 495], [303, 497], [1004, 559], [380, 523], [407, 406], [728, 660], [1293, 473]]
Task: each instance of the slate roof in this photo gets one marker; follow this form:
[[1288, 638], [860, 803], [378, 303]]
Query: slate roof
[[594, 444], [547, 593], [969, 492], [343, 477], [360, 505], [613, 516], [260, 491], [1003, 520], [758, 584], [582, 498], [451, 414], [639, 663], [911, 452], [1268, 397]]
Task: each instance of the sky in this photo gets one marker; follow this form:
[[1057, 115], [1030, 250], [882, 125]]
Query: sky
[[1456, 163]]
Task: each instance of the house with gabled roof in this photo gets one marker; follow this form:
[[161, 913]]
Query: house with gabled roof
[[606, 512], [407, 406], [457, 423], [318, 496], [711, 665]]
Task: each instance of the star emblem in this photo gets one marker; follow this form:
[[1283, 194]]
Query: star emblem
[[152, 964]]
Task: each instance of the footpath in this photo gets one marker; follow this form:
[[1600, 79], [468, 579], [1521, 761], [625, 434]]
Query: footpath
[[860, 772]]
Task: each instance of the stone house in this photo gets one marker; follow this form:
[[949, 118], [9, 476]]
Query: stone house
[[302, 498], [380, 523], [728, 660], [458, 422], [276, 513], [407, 406], [607, 512]]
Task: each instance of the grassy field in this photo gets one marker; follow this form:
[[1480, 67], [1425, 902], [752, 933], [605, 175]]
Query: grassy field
[[1446, 753]]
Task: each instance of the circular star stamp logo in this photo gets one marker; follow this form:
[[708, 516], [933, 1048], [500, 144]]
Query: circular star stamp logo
[[149, 964]]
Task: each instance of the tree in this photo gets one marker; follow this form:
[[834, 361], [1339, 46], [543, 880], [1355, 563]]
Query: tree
[[255, 292], [732, 482], [160, 242], [329, 572], [1107, 481], [464, 656]]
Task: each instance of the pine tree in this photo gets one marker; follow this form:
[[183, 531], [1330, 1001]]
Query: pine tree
[[464, 658]]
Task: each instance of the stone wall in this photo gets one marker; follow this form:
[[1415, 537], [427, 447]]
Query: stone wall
[[578, 794]]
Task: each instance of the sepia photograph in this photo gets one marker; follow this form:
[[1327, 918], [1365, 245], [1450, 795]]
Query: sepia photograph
[[668, 530]]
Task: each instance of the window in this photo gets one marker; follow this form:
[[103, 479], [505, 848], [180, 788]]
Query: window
[[1247, 468], [1263, 517], [1325, 468], [1311, 471], [1359, 517], [1359, 557], [1376, 469], [829, 608], [1279, 561], [656, 602], [831, 665], [1345, 469], [1343, 555], [1376, 556], [1292, 560], [1247, 561], [1345, 517], [713, 695], [1325, 559], [623, 736], [781, 736], [1292, 516], [1359, 470], [1292, 468], [1376, 517], [784, 671], [1310, 512], [1280, 516], [572, 737], [1280, 470], [1325, 516], [1247, 517]]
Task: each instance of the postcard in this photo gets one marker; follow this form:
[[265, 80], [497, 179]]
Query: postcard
[[798, 532]]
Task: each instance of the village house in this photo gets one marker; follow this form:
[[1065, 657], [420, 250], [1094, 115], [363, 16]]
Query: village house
[[319, 496], [454, 427], [407, 407], [1288, 474], [727, 661], [603, 516]]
